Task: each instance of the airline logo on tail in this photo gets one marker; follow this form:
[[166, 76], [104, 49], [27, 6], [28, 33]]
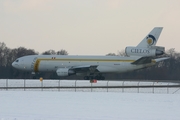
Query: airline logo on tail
[[151, 40]]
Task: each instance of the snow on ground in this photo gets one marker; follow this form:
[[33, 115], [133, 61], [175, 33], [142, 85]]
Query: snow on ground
[[54, 105]]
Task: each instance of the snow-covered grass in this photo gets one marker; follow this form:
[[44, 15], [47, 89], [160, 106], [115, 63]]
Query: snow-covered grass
[[54, 105], [88, 104]]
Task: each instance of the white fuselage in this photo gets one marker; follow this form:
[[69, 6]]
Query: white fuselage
[[105, 64]]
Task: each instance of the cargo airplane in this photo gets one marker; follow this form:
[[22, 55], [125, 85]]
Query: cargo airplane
[[92, 67]]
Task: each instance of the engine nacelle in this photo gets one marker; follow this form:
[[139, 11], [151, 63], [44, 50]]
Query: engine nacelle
[[64, 72], [137, 51]]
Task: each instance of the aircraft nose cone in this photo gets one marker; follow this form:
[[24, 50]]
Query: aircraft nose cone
[[15, 65]]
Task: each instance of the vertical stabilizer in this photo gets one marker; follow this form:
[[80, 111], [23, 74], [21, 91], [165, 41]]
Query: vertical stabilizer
[[152, 38]]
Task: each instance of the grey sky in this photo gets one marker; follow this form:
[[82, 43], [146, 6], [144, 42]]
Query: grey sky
[[87, 27]]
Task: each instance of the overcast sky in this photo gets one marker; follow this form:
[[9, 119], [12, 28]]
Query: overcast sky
[[87, 27]]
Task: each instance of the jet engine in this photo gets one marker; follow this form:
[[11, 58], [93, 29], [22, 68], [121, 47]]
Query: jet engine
[[138, 51], [65, 72]]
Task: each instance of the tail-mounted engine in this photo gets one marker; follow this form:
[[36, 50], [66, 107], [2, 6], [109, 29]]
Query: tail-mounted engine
[[142, 51], [64, 72]]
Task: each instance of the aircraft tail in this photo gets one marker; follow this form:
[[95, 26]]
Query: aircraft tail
[[151, 39], [147, 46]]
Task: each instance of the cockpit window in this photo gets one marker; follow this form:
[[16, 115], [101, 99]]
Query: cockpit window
[[17, 60]]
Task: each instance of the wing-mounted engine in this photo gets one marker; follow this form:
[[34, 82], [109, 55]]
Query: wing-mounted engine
[[145, 51], [65, 72]]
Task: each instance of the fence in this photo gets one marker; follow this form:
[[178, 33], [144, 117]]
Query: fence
[[86, 86]]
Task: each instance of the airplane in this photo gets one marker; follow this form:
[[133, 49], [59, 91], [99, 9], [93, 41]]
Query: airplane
[[92, 67]]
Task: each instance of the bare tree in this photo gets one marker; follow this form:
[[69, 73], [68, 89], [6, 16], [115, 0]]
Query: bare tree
[[122, 53], [4, 51], [111, 54], [2, 48], [62, 52], [21, 51], [49, 52]]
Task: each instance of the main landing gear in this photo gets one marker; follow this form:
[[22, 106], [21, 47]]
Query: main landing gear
[[94, 77]]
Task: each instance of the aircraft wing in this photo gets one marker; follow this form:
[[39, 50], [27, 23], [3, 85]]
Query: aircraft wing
[[142, 60], [146, 60], [84, 68]]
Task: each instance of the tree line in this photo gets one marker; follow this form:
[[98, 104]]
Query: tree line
[[165, 70]]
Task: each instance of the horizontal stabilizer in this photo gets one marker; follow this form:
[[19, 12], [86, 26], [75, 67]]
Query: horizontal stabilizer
[[161, 59]]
